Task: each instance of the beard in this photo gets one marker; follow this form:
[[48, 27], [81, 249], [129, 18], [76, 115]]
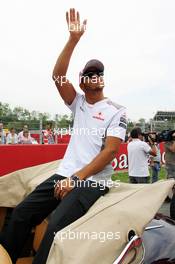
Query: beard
[[87, 89], [97, 89]]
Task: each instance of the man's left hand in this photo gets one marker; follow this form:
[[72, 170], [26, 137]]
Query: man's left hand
[[63, 187]]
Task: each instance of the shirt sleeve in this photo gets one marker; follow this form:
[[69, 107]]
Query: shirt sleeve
[[146, 148], [118, 125], [73, 105]]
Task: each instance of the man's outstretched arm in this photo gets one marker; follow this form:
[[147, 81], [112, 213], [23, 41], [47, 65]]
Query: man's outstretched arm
[[76, 30]]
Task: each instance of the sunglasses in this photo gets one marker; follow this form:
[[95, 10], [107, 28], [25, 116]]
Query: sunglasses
[[91, 74]]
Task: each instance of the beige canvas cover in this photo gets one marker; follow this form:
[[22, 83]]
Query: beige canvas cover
[[130, 206], [16, 185]]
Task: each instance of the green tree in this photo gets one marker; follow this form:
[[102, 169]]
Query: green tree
[[64, 121]]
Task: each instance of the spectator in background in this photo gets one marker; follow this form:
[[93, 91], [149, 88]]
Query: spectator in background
[[2, 134], [12, 137], [25, 138], [48, 136], [138, 154], [20, 135], [155, 163], [170, 157], [170, 167]]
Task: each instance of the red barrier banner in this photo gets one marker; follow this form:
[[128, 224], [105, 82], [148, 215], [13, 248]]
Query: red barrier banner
[[16, 157]]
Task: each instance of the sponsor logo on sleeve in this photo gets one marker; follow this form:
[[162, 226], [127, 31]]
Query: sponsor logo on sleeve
[[123, 122]]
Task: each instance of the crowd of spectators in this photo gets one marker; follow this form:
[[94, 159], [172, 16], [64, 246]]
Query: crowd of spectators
[[24, 136], [12, 137]]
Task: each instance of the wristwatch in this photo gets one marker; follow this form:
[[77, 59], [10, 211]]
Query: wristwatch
[[75, 178]]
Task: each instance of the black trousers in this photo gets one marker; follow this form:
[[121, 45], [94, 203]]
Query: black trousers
[[133, 179], [38, 205]]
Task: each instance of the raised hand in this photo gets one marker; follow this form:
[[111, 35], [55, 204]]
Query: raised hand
[[73, 21]]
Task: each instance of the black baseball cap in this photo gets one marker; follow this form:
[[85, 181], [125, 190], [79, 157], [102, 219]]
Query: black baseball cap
[[94, 65]]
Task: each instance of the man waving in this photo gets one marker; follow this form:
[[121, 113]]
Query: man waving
[[85, 171]]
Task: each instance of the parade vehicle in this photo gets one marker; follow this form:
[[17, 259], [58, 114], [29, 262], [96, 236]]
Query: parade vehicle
[[155, 246]]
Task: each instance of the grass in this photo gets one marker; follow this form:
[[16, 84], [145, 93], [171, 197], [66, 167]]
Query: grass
[[123, 175]]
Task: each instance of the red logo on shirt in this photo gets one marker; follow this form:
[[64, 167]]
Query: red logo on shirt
[[99, 116]]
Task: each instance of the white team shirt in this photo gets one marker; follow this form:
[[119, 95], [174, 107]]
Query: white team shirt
[[138, 154], [92, 123]]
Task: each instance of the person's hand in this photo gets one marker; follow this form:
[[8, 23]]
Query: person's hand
[[73, 21], [62, 188]]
